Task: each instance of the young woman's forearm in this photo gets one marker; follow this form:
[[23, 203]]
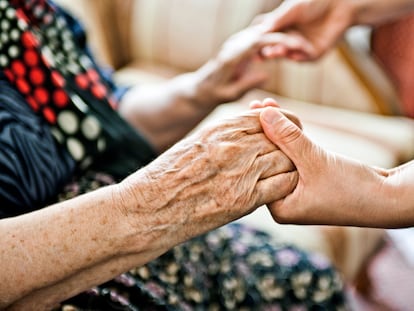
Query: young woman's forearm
[[374, 12]]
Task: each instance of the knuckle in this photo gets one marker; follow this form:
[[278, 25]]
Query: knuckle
[[287, 184], [283, 163]]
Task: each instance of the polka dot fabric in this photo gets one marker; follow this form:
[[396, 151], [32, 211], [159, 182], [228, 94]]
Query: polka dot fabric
[[39, 56]]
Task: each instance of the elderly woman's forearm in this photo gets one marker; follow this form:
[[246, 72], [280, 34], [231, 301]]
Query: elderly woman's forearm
[[50, 245], [48, 297]]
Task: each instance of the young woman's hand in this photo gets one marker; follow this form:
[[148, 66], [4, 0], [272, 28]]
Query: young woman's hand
[[336, 190], [316, 24]]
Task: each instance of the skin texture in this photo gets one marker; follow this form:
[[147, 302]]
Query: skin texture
[[336, 190], [317, 25], [174, 198]]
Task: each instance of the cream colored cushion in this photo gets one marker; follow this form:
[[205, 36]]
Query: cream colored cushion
[[186, 33]]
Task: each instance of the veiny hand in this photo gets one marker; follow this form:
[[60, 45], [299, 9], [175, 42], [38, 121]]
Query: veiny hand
[[331, 189], [317, 24], [232, 72], [212, 177]]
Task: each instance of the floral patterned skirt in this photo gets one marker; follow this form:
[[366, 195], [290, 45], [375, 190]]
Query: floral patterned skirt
[[231, 268]]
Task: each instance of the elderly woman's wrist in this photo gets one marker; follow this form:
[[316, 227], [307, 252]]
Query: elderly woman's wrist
[[143, 210]]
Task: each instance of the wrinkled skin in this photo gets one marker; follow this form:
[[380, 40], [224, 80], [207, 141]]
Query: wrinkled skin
[[211, 178]]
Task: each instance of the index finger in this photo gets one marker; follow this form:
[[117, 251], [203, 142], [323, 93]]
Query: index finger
[[278, 44]]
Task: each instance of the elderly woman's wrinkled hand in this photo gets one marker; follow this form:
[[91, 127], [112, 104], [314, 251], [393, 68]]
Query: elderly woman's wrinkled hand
[[235, 71], [216, 175]]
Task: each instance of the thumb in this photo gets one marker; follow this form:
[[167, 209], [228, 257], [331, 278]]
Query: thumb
[[285, 134]]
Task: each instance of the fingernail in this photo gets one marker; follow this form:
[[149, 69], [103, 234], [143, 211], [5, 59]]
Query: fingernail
[[269, 115]]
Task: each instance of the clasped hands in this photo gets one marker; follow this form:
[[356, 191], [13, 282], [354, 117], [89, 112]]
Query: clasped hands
[[212, 177], [225, 171], [228, 169]]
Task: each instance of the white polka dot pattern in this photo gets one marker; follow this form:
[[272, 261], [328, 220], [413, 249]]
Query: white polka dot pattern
[[37, 58], [75, 148], [91, 127], [68, 121]]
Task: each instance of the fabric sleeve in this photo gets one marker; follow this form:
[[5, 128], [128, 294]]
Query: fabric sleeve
[[33, 167]]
